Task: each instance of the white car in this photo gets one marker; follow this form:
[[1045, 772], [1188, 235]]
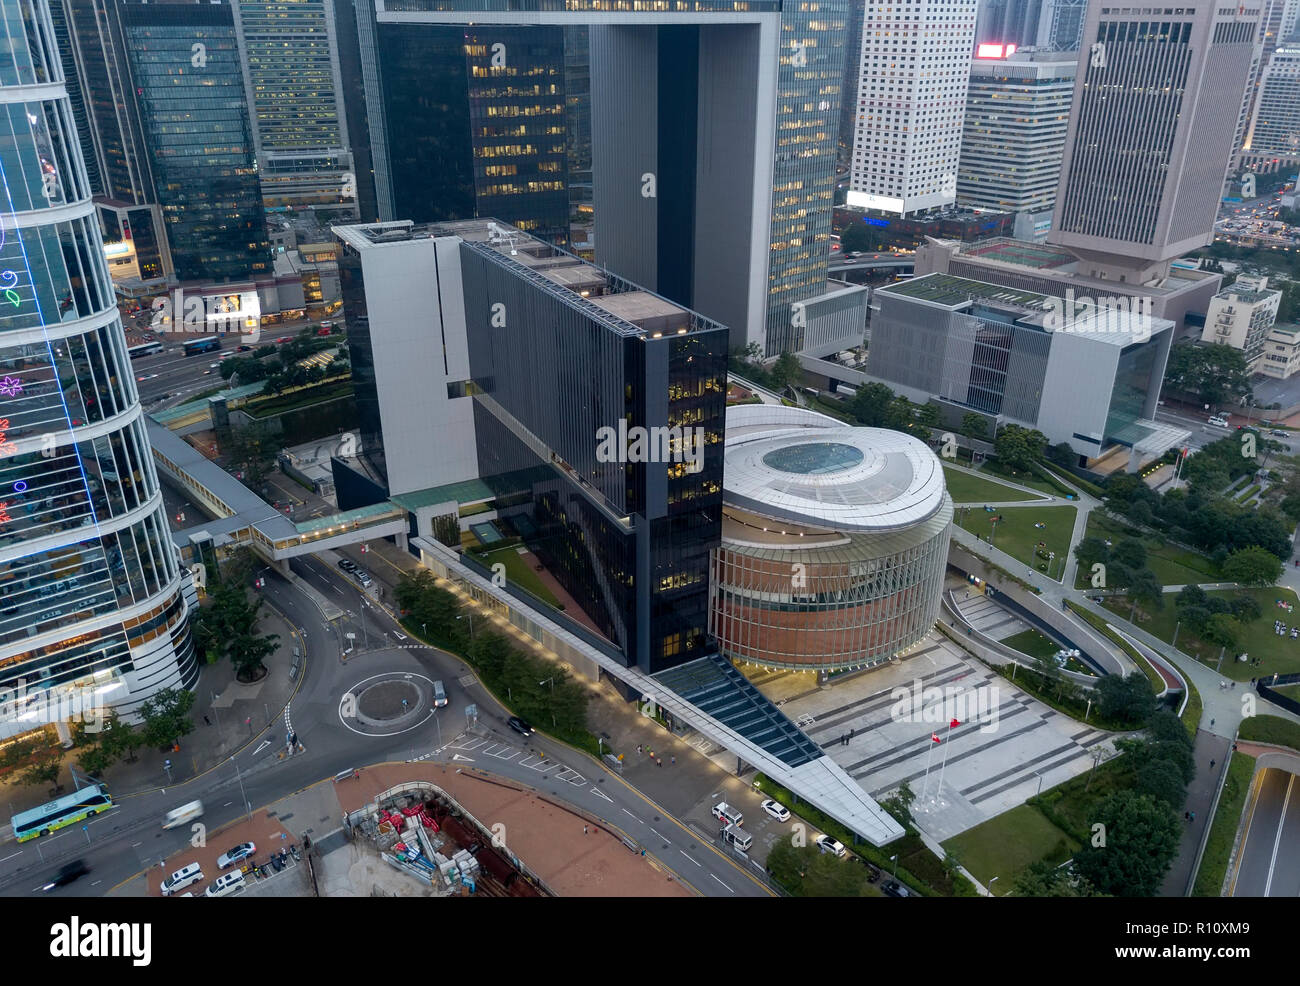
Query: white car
[[826, 844], [777, 810], [232, 856]]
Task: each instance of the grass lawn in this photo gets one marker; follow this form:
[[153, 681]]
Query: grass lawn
[[1033, 643], [318, 394], [1280, 655], [1008, 843], [1017, 535], [1271, 729], [519, 572], [1172, 565], [1032, 480], [965, 488], [1072, 804], [1223, 830]]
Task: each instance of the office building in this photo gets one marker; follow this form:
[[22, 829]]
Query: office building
[[189, 84], [292, 80], [1082, 370], [1151, 132], [914, 71], [1013, 139], [92, 607], [834, 541], [1281, 352], [849, 87], [1279, 23], [1241, 316], [713, 145], [577, 131], [1275, 128], [1064, 25]]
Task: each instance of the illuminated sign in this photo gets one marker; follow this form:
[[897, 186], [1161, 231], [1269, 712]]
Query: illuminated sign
[[991, 49], [117, 249], [872, 221], [11, 386]]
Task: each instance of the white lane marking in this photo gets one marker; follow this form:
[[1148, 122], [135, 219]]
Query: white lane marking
[[7, 858], [629, 814], [1277, 842], [729, 890], [664, 837], [696, 862], [594, 790], [336, 589]]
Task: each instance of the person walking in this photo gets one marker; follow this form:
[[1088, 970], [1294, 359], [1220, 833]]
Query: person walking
[[673, 761], [1193, 817], [1211, 723], [584, 830], [1211, 764], [638, 749]]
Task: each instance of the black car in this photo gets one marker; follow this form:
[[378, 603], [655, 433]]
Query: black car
[[346, 565], [519, 726], [895, 889], [69, 872]]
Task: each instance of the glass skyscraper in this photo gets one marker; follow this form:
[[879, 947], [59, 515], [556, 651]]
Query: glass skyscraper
[[185, 66], [91, 600]]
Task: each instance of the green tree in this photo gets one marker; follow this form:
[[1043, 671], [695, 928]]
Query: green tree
[[1063, 454], [44, 769], [1130, 552], [1019, 447], [1223, 630], [1045, 879], [247, 651], [1091, 551], [96, 759], [858, 237], [1161, 780], [974, 425], [927, 414], [1140, 838], [1165, 726], [1214, 374], [786, 371], [899, 804], [252, 450], [1145, 590], [807, 872], [870, 405], [119, 738], [1252, 567], [166, 717], [1126, 699]]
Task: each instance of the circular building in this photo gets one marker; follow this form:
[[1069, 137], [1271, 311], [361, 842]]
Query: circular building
[[834, 541]]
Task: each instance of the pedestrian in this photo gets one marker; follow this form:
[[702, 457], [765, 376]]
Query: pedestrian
[[673, 760], [1233, 686], [1193, 816], [638, 749], [852, 733], [1234, 747], [1211, 764], [1211, 722], [1187, 817], [661, 761], [584, 830], [207, 721]]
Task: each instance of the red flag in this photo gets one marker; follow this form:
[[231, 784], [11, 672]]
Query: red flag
[[935, 737], [954, 724]]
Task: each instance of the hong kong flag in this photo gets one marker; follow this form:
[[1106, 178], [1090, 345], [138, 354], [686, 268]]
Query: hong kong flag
[[935, 737], [954, 724]]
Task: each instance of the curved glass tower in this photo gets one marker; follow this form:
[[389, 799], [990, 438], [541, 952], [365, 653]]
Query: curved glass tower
[[91, 606]]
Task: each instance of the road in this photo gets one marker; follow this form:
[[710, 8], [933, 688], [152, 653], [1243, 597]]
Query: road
[[129, 839], [1269, 866]]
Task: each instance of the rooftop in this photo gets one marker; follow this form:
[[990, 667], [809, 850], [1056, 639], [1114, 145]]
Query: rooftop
[[954, 292], [1023, 252]]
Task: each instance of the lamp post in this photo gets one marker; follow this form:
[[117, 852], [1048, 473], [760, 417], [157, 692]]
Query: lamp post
[[894, 859], [991, 882], [551, 681]]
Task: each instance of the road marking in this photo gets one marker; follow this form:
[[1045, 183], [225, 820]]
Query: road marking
[[261, 746], [7, 858], [693, 860], [135, 844], [629, 814], [336, 589], [729, 890], [594, 790], [457, 756], [664, 837]]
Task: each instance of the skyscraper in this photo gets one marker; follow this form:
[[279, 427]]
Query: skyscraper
[[1277, 23], [1151, 131], [1017, 114], [291, 72], [915, 69], [189, 85], [92, 609], [1275, 128]]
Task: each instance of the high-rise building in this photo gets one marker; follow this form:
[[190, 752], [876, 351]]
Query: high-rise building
[[1275, 128], [1242, 316], [713, 143], [1063, 22], [1279, 20], [577, 124], [849, 88], [1017, 114], [1151, 130], [189, 86], [93, 611], [914, 72], [292, 76]]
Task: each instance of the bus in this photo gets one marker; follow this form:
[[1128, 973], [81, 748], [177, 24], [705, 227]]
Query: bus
[[67, 810], [144, 349], [196, 346]]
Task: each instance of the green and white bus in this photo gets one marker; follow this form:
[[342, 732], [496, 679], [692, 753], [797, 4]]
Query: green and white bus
[[67, 810]]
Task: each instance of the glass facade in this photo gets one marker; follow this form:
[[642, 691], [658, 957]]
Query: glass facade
[[1129, 396], [190, 88], [810, 81], [629, 540], [90, 581]]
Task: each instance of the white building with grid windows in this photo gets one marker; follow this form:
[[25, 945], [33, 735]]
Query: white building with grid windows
[[915, 67]]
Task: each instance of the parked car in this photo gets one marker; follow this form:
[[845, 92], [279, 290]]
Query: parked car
[[895, 889], [519, 726], [362, 577], [236, 854], [777, 810], [347, 565], [833, 846]]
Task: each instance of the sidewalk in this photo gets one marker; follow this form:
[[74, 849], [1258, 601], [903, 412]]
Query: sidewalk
[[1201, 794], [226, 714]]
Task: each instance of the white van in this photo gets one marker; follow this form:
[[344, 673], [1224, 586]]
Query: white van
[[1219, 422], [737, 837], [185, 813], [187, 875], [728, 815], [439, 695], [224, 885]]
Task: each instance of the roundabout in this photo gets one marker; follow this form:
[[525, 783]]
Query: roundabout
[[387, 704]]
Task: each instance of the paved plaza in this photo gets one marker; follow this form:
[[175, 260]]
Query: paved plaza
[[1007, 748]]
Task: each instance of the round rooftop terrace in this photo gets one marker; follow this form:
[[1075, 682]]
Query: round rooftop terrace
[[792, 464]]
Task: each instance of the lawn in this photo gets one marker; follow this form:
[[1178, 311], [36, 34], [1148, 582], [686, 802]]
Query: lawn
[[1033, 643], [1017, 535], [1030, 479], [1280, 655], [1172, 565], [965, 488], [519, 572], [1223, 830], [1008, 843], [1271, 729]]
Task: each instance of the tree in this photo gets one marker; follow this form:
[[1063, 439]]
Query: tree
[[858, 237], [1140, 838], [1145, 590], [1213, 374], [927, 414], [94, 760], [1091, 551], [871, 404], [786, 371], [1127, 699], [166, 717], [1045, 879], [1161, 780], [252, 449], [119, 738], [247, 651], [1223, 630], [1019, 447], [1130, 552], [1190, 595], [1063, 454], [805, 871], [1164, 726], [44, 769], [1252, 567], [974, 425], [899, 804]]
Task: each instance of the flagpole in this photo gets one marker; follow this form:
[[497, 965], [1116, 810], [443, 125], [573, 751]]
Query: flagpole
[[925, 786], [951, 723]]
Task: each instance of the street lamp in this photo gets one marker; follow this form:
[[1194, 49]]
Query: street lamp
[[551, 681], [894, 859], [991, 882]]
